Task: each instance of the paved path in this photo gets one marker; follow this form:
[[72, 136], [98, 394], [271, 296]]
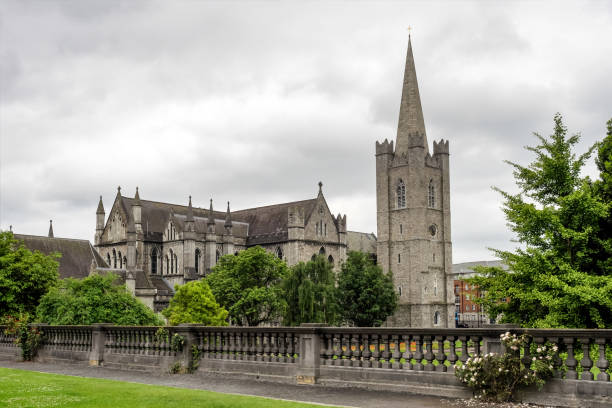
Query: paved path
[[350, 397]]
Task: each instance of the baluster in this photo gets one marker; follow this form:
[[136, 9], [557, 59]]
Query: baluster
[[249, 346], [570, 362], [440, 356], [291, 348], [602, 362], [429, 353], [476, 340], [385, 351], [345, 350], [452, 358], [366, 354], [206, 344], [407, 354], [266, 347], [274, 346], [396, 354], [233, 347], [557, 373], [282, 347], [527, 353], [239, 346], [418, 354], [355, 351], [375, 352], [260, 346], [586, 361], [226, 353]]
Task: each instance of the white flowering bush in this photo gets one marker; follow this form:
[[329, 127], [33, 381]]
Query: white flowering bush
[[496, 377]]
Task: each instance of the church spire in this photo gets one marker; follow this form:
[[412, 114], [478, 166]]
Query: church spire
[[211, 215], [228, 217], [411, 119], [50, 228]]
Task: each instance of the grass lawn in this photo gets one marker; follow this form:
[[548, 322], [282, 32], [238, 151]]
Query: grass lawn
[[20, 388]]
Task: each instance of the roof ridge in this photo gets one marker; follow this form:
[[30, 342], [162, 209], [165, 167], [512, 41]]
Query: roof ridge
[[275, 205], [55, 238]]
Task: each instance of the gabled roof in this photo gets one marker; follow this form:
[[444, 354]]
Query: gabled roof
[[269, 224], [77, 254]]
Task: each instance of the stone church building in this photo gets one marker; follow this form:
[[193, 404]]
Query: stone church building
[[413, 215], [161, 244]]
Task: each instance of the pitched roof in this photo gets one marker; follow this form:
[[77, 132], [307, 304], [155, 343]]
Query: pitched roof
[[77, 254], [269, 224]]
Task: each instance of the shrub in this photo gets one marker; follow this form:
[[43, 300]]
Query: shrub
[[495, 377]]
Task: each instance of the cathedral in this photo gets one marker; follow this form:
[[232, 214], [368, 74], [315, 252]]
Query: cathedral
[[413, 215], [159, 245]]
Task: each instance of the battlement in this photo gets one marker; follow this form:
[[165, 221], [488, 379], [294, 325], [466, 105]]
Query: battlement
[[341, 222], [416, 139], [440, 147], [385, 147]]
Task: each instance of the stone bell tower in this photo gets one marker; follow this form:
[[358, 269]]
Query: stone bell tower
[[413, 215]]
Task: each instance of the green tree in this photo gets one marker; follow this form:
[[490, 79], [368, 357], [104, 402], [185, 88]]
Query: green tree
[[366, 294], [194, 302], [310, 293], [561, 276], [25, 276], [95, 299], [247, 285]]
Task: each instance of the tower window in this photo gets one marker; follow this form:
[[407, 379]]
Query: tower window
[[401, 229], [399, 258], [114, 259], [198, 255], [330, 259], [399, 289], [431, 195], [217, 256], [108, 260], [401, 194], [436, 318]]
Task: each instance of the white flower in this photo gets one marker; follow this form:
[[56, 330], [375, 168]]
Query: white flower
[[534, 359], [539, 350], [500, 370], [555, 348]]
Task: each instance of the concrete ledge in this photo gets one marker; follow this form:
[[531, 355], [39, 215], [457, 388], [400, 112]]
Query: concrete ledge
[[570, 393]]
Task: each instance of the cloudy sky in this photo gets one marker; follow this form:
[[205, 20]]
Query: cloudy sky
[[255, 102]]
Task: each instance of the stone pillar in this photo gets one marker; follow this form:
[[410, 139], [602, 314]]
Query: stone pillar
[[185, 357], [493, 344], [98, 337], [309, 358]]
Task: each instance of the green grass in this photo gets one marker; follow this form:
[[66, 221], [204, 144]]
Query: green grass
[[20, 388]]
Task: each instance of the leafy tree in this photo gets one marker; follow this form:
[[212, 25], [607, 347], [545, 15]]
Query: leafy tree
[[247, 285], [310, 293], [562, 276], [25, 276], [366, 294], [95, 299], [194, 302]]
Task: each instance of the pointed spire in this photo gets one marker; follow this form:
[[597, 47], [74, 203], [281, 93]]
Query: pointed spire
[[189, 211], [100, 209], [211, 216], [228, 217], [137, 196], [50, 228], [119, 191], [320, 188], [411, 118]]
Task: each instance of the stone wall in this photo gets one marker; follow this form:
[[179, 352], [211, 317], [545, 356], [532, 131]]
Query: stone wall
[[391, 359]]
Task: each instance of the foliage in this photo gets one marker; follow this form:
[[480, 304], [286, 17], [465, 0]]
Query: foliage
[[28, 338], [22, 388], [562, 277], [495, 377], [247, 285], [25, 276], [310, 293], [194, 302], [176, 368], [366, 295], [194, 363], [95, 299]]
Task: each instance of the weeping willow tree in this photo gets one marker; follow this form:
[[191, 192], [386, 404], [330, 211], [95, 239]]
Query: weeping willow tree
[[310, 294]]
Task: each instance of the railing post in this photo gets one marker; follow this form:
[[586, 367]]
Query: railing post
[[98, 338], [309, 358], [493, 344], [186, 356]]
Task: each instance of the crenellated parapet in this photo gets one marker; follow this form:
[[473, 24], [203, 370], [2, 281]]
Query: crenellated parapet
[[440, 147], [341, 223], [385, 147], [432, 161]]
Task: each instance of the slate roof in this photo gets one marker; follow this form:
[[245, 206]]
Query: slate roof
[[268, 224], [77, 254]]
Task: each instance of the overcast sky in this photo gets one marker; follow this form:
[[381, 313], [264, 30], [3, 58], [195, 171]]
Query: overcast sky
[[255, 102]]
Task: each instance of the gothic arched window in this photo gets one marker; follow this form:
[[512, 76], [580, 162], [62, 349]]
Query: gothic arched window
[[167, 265], [217, 256], [108, 260], [175, 263], [198, 255], [322, 251], [120, 260], [125, 262], [436, 318], [279, 252], [330, 259], [431, 195], [401, 194], [171, 270], [114, 259], [154, 261]]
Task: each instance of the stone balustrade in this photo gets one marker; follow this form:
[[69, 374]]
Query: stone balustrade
[[403, 359]]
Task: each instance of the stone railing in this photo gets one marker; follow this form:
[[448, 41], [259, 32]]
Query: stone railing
[[400, 359]]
